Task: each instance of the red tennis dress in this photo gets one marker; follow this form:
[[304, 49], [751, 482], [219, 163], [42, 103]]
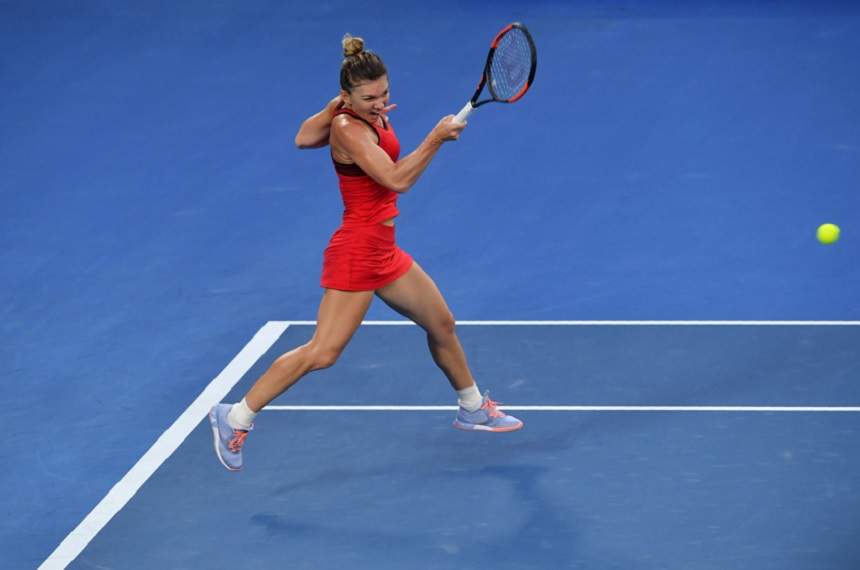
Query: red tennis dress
[[362, 255]]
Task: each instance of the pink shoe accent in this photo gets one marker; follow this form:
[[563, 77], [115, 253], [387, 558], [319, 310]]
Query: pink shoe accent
[[492, 408], [239, 437]]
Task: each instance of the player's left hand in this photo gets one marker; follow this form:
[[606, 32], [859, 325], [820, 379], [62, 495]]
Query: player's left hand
[[335, 104]]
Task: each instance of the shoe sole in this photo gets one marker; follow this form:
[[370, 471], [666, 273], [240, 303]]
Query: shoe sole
[[479, 427], [213, 423]]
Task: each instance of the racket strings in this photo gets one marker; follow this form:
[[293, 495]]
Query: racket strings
[[511, 64]]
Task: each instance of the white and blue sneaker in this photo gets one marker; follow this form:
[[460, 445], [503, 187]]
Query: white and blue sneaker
[[228, 441], [486, 418]]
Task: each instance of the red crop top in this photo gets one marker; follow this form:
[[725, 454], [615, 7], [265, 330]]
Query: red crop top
[[366, 201]]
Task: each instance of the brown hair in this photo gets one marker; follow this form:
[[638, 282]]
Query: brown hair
[[358, 64]]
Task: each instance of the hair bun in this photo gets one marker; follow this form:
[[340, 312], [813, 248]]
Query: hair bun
[[352, 45]]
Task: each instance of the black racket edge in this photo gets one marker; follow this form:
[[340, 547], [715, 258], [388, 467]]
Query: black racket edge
[[488, 66], [473, 103]]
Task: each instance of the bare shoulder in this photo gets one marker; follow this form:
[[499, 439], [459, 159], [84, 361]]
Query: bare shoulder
[[341, 121], [348, 130], [346, 127]]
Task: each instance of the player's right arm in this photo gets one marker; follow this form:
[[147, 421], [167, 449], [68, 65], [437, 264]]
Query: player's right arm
[[355, 140]]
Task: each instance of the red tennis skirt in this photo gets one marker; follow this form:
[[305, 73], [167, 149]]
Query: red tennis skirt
[[363, 258]]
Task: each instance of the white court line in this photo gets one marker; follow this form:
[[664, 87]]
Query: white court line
[[170, 440], [616, 323], [569, 408]]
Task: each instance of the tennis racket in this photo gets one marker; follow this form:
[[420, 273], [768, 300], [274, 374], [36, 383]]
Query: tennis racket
[[509, 71]]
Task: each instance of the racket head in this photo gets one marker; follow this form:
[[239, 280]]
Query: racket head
[[511, 63]]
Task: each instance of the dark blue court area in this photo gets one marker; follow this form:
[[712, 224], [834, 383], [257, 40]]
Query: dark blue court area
[[572, 490], [671, 162]]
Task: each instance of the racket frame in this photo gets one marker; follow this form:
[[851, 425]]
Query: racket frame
[[473, 103]]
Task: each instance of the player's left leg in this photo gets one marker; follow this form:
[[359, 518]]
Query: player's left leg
[[416, 297]]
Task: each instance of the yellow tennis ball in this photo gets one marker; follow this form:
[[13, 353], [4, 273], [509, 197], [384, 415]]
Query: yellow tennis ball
[[828, 233]]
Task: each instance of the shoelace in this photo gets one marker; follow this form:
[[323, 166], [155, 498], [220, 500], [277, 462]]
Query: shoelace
[[492, 408], [239, 437]]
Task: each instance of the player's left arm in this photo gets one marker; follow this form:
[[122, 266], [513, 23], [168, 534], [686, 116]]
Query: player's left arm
[[314, 132]]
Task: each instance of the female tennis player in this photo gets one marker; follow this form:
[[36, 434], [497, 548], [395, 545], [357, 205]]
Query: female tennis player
[[362, 259]]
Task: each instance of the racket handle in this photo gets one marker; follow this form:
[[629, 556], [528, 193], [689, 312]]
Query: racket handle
[[464, 112]]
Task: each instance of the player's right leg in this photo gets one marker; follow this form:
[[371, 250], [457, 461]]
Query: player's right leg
[[340, 314]]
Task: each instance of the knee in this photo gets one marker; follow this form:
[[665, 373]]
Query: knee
[[444, 326], [323, 356]]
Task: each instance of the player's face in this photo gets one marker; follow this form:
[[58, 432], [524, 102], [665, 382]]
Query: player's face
[[369, 98]]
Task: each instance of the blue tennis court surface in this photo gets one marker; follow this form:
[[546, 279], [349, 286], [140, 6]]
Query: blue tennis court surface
[[671, 162], [648, 489]]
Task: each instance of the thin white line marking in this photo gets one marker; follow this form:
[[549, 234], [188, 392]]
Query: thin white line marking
[[617, 323], [170, 440], [569, 408]]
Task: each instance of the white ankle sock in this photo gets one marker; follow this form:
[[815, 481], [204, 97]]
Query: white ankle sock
[[470, 398], [241, 416]]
